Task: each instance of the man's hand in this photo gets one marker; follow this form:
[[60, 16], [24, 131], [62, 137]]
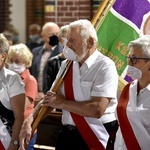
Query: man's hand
[[40, 96]]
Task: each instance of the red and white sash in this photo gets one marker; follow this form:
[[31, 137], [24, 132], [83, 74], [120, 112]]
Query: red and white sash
[[4, 137], [91, 129], [134, 133]]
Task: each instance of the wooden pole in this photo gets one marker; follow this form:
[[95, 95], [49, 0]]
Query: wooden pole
[[44, 110], [99, 11], [102, 12], [104, 7]]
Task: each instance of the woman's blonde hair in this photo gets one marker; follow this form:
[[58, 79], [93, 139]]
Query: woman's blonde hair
[[22, 51]]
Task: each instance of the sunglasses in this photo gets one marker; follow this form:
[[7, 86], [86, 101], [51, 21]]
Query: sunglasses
[[135, 59]]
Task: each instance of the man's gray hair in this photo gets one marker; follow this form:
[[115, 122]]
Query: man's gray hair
[[4, 44], [144, 43], [87, 29]]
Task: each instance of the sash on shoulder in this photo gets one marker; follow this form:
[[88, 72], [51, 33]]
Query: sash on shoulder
[[81, 124], [126, 129]]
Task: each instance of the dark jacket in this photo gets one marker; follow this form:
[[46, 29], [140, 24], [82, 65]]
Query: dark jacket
[[34, 69], [31, 45], [53, 66]]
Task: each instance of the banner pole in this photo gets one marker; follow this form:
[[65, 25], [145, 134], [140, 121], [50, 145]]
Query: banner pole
[[104, 7]]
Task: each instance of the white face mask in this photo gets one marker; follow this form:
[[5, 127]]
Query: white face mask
[[134, 72], [17, 68], [69, 53]]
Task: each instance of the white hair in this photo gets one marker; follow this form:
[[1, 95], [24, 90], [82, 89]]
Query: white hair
[[87, 29], [144, 43]]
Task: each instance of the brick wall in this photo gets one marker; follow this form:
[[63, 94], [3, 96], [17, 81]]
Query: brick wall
[[66, 11], [35, 13], [60, 11], [4, 14]]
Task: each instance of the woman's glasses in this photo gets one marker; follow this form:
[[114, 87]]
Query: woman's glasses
[[135, 59]]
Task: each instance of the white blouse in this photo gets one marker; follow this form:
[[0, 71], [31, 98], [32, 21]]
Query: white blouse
[[10, 85]]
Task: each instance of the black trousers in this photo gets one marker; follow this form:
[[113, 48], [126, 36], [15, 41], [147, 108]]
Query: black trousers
[[70, 139]]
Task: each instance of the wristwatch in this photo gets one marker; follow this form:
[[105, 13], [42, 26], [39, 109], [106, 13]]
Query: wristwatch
[[15, 142]]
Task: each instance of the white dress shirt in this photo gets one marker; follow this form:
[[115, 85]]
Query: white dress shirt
[[99, 78]]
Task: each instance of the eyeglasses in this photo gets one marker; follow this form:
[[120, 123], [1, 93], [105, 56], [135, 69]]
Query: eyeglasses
[[135, 59]]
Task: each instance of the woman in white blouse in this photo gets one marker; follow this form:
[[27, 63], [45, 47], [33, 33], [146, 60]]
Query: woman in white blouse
[[134, 104], [12, 102]]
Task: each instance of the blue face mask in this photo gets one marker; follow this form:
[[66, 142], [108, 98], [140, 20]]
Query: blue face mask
[[34, 38], [15, 38]]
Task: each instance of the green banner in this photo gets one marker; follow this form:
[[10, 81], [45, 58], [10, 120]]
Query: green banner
[[113, 38]]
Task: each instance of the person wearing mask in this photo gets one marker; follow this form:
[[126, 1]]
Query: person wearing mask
[[12, 102], [87, 95], [133, 108], [35, 39], [54, 63], [41, 55], [19, 60]]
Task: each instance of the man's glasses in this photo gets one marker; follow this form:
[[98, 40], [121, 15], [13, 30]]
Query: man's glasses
[[135, 59]]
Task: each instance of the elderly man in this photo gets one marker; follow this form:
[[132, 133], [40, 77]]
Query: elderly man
[[35, 39], [87, 96], [41, 55]]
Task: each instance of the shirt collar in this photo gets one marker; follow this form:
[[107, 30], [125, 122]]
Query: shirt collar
[[135, 82], [148, 87], [90, 60], [52, 48]]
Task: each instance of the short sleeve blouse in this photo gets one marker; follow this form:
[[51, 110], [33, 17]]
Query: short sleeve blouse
[[10, 85]]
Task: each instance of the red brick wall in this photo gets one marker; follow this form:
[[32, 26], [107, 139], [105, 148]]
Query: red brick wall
[[4, 14], [60, 11], [35, 13], [65, 11]]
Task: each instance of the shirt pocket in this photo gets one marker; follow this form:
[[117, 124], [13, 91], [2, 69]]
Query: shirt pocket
[[86, 88]]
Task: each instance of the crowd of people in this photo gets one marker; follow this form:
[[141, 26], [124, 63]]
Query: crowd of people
[[93, 117]]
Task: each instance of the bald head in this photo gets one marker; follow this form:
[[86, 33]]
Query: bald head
[[50, 28]]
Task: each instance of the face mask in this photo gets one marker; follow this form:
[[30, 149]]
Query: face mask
[[33, 38], [134, 72], [53, 40], [69, 53], [15, 38], [17, 68]]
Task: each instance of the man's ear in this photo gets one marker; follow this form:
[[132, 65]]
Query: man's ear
[[90, 43]]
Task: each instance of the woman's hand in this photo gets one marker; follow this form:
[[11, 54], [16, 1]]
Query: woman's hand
[[25, 133]]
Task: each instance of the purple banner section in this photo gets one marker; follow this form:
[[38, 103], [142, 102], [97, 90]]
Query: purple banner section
[[133, 10]]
